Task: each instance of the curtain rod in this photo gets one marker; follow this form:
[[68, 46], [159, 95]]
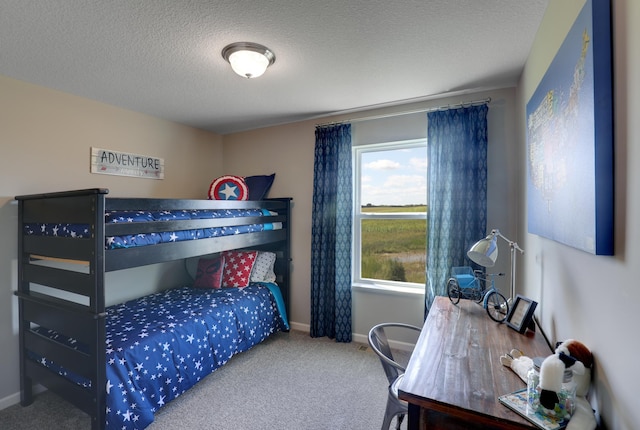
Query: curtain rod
[[424, 110]]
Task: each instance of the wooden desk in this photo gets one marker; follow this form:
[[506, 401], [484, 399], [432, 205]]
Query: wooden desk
[[454, 375]]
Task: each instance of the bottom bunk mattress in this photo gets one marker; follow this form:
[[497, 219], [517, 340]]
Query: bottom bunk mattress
[[159, 346]]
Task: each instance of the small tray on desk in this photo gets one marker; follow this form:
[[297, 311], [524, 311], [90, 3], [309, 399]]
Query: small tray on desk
[[517, 402]]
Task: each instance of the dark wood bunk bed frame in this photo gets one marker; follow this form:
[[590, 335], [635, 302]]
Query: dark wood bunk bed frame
[[86, 322]]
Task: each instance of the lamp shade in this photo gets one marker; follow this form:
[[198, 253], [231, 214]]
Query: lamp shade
[[247, 59], [485, 251]]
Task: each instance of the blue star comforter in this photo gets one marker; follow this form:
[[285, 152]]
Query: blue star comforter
[[134, 240], [159, 346]]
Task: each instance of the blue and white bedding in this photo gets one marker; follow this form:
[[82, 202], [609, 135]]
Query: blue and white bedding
[[158, 346], [133, 240]]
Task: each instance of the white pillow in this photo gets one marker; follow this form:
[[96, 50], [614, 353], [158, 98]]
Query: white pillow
[[263, 267]]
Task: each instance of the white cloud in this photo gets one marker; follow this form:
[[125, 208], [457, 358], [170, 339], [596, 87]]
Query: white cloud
[[394, 181], [383, 165], [396, 190], [395, 177], [383, 197], [418, 163]]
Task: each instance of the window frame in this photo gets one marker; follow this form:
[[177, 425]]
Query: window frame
[[358, 216]]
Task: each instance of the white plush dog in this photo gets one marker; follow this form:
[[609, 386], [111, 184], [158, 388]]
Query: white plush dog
[[570, 354]]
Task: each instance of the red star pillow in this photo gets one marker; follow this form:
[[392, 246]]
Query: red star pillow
[[237, 268]]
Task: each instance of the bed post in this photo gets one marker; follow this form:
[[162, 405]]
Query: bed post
[[283, 250], [98, 308], [288, 260], [53, 308], [26, 384]]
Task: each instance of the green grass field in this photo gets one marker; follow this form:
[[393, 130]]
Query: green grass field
[[394, 250]]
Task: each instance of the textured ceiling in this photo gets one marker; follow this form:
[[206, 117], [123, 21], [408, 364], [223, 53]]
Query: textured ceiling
[[162, 57]]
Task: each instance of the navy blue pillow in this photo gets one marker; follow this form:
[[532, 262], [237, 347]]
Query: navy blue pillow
[[259, 186]]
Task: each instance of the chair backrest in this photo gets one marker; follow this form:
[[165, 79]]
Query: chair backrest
[[380, 345]]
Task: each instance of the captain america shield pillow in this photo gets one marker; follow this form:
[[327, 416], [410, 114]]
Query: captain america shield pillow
[[228, 187]]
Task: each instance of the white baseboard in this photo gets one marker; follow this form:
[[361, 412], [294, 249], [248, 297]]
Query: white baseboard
[[10, 400], [306, 328], [402, 346], [14, 399], [360, 338]]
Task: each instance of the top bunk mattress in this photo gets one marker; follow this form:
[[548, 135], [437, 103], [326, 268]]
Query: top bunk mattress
[[113, 217]]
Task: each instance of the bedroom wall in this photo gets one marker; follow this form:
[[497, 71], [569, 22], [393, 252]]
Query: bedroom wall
[[45, 139], [591, 298], [288, 150]]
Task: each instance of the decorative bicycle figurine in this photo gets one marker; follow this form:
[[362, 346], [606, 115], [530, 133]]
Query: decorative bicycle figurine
[[468, 284]]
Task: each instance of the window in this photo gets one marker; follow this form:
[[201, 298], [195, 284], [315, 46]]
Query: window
[[390, 214]]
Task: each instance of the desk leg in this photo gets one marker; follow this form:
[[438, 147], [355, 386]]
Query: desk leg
[[413, 417]]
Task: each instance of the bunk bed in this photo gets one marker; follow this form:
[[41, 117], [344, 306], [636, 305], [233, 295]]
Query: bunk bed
[[90, 353]]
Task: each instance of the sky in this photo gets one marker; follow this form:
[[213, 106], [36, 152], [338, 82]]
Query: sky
[[395, 177]]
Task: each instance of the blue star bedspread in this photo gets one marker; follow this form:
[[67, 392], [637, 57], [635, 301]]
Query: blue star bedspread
[[133, 240], [159, 346]]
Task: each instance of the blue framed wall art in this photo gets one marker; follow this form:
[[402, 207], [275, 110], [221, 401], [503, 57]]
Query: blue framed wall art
[[570, 189]]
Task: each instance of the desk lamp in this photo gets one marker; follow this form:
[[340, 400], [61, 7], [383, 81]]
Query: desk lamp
[[485, 253]]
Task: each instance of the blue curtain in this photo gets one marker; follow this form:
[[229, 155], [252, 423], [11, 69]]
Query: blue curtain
[[457, 189], [331, 234]]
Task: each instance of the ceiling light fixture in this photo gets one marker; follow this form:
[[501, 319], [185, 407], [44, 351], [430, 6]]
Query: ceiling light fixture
[[248, 59]]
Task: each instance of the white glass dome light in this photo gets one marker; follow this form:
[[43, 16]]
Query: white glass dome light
[[247, 59]]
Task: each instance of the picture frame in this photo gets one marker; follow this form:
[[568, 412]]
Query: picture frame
[[569, 117], [520, 314]]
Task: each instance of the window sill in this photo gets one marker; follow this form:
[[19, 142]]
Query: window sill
[[389, 289]]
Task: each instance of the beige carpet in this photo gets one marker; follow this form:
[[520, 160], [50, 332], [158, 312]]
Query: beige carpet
[[290, 381]]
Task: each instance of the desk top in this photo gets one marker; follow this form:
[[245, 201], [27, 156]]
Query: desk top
[[455, 366]]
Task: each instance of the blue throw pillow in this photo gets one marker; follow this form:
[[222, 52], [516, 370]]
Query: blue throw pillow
[[259, 186]]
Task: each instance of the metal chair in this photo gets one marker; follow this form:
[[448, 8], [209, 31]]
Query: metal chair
[[394, 371]]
